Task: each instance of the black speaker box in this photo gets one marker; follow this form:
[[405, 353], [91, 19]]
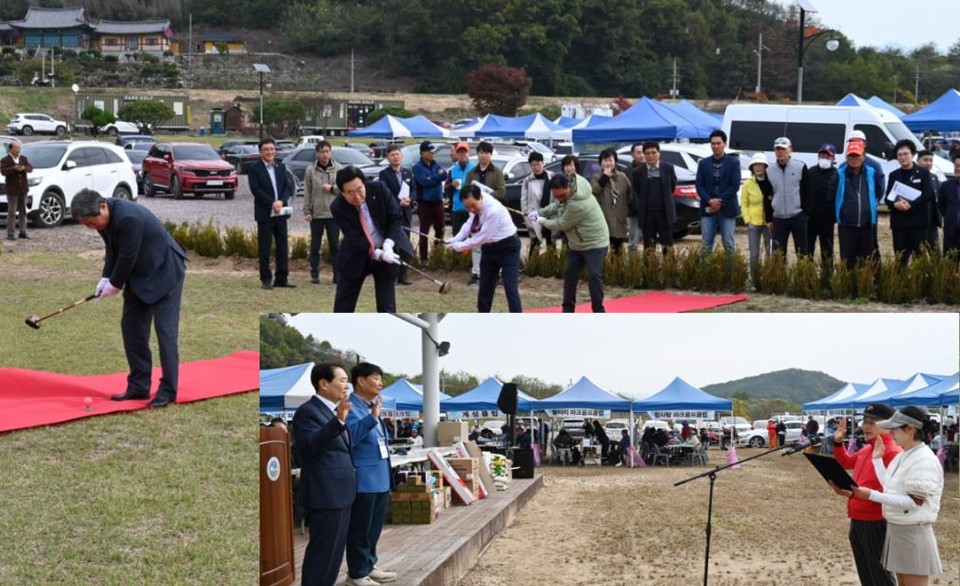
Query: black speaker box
[[507, 401], [522, 463]]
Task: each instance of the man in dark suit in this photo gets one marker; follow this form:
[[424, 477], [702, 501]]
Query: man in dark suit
[[399, 181], [328, 481], [653, 185], [271, 194], [949, 203], [145, 262], [369, 219], [14, 168], [368, 437]]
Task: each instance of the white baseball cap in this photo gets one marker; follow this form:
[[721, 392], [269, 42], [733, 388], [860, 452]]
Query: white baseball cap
[[857, 135]]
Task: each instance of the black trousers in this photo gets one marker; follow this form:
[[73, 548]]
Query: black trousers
[[866, 540], [657, 227], [856, 243], [274, 229], [367, 517], [384, 283], [783, 228], [495, 259], [317, 228], [820, 229], [328, 540], [135, 328], [907, 242], [951, 244]]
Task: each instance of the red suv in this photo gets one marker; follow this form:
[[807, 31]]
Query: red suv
[[187, 167]]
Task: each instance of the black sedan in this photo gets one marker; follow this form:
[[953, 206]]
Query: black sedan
[[241, 155], [301, 158]]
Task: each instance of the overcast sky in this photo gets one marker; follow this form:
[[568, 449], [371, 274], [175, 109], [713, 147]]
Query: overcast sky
[[637, 355], [878, 23]]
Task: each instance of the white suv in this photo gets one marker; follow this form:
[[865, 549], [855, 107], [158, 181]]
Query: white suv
[[61, 169], [27, 124]]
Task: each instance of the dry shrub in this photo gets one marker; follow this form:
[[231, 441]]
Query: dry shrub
[[670, 267], [180, 233], [236, 242], [613, 269], [774, 278], [841, 282], [204, 239], [300, 249], [651, 272], [804, 280], [689, 265], [945, 285], [739, 274], [712, 273], [865, 279]]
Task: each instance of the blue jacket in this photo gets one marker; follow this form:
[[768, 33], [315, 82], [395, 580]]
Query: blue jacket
[[855, 215], [458, 173], [428, 181], [373, 472], [726, 188]]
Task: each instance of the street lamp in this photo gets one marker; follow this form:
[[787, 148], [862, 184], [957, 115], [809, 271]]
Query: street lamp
[[76, 106], [803, 43], [261, 69]]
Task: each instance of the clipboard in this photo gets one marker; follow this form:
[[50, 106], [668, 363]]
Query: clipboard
[[830, 469]]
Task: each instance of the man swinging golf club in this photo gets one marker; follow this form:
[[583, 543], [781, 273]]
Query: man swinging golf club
[[147, 264], [369, 219]]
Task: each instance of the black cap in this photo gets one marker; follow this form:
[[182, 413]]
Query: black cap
[[878, 411], [427, 146]]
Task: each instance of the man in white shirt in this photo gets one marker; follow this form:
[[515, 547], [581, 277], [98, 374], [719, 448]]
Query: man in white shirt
[[490, 228]]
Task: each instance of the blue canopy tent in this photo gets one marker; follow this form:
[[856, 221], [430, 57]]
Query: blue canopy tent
[[930, 395], [485, 126], [704, 120], [878, 102], [942, 114], [588, 122], [583, 394], [568, 122], [682, 396], [534, 126], [408, 397], [909, 386], [646, 120], [285, 389], [854, 100], [392, 127], [877, 387], [838, 399], [484, 398]]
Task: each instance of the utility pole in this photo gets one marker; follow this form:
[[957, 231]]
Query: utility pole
[[351, 70], [190, 45], [674, 92], [759, 52], [916, 86]]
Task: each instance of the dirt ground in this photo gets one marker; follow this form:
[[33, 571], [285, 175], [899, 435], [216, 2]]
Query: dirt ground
[[774, 522]]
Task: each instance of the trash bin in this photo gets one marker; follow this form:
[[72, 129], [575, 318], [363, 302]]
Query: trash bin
[[203, 131]]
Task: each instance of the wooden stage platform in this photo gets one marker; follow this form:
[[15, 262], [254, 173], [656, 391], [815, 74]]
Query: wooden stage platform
[[441, 553]]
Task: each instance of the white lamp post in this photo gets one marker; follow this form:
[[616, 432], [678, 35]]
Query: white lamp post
[[261, 69]]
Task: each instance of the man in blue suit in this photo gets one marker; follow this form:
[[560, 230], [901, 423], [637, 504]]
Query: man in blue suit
[[328, 481], [147, 264], [399, 181], [369, 219], [374, 477], [718, 180], [271, 193]]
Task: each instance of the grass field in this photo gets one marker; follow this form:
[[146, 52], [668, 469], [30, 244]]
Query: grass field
[[165, 497]]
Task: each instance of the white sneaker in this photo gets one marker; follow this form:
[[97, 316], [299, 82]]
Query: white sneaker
[[365, 581], [382, 576]]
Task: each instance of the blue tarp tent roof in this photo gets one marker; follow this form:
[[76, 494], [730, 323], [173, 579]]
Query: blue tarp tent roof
[[583, 394], [285, 388], [942, 114], [878, 102], [568, 122], [484, 398], [408, 397], [877, 387], [534, 126], [838, 399], [392, 127], [704, 120], [646, 120], [911, 385], [854, 100], [681, 395], [929, 395]]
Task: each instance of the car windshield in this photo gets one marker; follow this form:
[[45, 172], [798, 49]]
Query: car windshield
[[195, 153], [348, 156], [136, 157], [44, 156]]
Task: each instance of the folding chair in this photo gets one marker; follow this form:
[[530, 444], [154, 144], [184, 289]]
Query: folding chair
[[698, 455], [660, 456]]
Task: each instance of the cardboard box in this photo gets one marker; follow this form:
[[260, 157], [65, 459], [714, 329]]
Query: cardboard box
[[468, 471], [447, 493], [447, 431]]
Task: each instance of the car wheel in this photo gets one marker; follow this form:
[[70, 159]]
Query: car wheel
[[756, 442], [175, 188], [198, 195], [148, 189], [61, 131], [26, 130], [122, 192], [228, 194], [50, 211]]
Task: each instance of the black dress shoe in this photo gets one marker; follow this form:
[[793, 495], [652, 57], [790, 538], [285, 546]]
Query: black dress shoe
[[315, 280], [159, 402], [404, 281], [25, 237], [11, 237], [266, 285], [128, 396], [285, 285]]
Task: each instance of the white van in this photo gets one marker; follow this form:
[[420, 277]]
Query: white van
[[753, 128]]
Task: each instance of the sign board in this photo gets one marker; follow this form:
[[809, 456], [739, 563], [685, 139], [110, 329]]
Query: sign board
[[595, 413], [675, 415], [455, 415]]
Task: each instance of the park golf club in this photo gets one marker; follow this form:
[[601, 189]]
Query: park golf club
[[445, 286], [34, 322], [412, 231]]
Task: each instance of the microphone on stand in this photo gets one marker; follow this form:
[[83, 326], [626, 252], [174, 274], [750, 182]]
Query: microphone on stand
[[801, 447]]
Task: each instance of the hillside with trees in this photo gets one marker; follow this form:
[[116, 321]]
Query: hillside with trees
[[566, 47], [792, 385]]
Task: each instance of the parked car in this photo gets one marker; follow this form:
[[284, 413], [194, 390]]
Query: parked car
[[241, 155], [574, 426], [301, 158], [285, 146], [361, 147], [119, 127], [758, 438], [33, 123], [5, 142], [62, 168], [123, 141], [234, 142], [614, 427], [494, 425], [380, 147], [738, 426], [187, 167], [548, 153], [136, 157]]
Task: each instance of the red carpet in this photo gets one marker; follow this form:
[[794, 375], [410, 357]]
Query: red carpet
[[653, 302], [30, 398]]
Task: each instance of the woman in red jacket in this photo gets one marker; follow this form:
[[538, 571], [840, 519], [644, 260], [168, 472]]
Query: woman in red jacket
[[867, 526]]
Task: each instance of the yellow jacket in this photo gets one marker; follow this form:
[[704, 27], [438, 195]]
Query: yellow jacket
[[751, 203]]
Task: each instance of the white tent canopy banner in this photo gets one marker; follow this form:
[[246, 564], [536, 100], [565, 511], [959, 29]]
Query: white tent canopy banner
[[595, 413], [678, 415]]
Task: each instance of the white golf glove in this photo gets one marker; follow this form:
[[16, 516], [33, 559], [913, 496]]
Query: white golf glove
[[108, 291], [388, 245], [390, 256], [449, 241], [533, 217], [459, 246], [103, 282]]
